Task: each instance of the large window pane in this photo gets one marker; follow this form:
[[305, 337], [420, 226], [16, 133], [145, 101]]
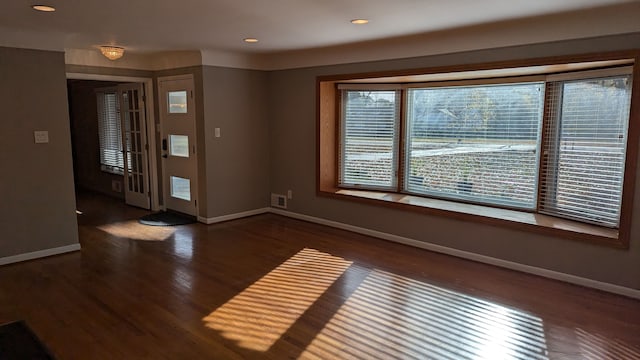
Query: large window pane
[[587, 149], [475, 143], [368, 147], [109, 133]]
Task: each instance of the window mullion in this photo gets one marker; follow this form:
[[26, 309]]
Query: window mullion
[[549, 140], [401, 136]]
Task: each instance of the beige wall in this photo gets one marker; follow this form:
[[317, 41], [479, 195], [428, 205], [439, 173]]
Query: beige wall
[[237, 168], [37, 198], [292, 99]]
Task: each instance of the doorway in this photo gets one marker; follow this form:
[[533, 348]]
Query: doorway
[[114, 162]]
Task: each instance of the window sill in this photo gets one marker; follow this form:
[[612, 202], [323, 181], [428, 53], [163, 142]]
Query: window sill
[[538, 223]]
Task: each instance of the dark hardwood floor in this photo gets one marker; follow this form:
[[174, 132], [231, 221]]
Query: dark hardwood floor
[[276, 288]]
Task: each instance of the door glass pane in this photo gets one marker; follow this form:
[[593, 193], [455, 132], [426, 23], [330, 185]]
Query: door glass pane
[[178, 102], [179, 145], [180, 188]]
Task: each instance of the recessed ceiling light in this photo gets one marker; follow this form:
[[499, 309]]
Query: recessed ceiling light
[[44, 8], [250, 40], [359, 21]]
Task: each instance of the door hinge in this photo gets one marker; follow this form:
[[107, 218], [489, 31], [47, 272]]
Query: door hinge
[[144, 98], [192, 94], [146, 147], [194, 148], [195, 202]]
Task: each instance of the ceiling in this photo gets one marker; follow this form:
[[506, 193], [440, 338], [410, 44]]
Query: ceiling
[[146, 26]]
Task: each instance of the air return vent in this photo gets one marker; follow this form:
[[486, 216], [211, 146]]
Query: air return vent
[[279, 201]]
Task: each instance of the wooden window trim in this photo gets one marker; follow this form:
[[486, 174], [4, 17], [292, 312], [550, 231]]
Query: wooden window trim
[[327, 118]]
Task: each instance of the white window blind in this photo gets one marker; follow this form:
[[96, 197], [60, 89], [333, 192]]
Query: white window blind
[[475, 143], [109, 132], [368, 154], [585, 149]]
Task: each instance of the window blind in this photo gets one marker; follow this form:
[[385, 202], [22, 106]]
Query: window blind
[[476, 143], [368, 154], [585, 149], [109, 132]]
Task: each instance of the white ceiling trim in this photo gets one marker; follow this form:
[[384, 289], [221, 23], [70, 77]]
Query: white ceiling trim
[[151, 62]]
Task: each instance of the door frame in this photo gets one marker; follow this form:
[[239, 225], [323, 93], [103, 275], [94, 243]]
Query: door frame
[[165, 185], [149, 90]]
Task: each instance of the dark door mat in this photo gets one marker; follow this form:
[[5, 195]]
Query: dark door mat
[[167, 218], [18, 342]]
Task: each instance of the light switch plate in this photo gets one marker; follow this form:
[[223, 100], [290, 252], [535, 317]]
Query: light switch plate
[[41, 137], [217, 132]]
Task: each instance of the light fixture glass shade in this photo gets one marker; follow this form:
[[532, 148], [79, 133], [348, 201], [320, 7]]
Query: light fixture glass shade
[[43, 8], [112, 52]]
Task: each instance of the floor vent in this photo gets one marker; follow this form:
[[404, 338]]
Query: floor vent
[[279, 201]]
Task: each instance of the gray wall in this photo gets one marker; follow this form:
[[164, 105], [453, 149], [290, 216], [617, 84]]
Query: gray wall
[[237, 169], [37, 209], [293, 166], [234, 100]]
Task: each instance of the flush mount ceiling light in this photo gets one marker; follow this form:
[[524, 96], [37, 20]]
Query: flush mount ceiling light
[[359, 21], [250, 40], [43, 8], [112, 52]]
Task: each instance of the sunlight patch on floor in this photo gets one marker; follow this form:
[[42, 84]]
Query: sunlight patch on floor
[[132, 229], [595, 346], [257, 317], [391, 316]]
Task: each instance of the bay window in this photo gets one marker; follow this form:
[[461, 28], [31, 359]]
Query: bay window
[[531, 140]]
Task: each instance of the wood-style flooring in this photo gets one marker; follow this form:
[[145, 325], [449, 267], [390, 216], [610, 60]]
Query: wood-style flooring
[[276, 288]]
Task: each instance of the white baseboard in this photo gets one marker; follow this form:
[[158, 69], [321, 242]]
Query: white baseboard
[[39, 254], [239, 215], [616, 289]]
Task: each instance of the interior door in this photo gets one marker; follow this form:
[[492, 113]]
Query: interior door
[[134, 140], [179, 161]]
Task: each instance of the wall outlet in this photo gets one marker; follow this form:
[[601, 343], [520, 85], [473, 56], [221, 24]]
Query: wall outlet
[[41, 136], [279, 201], [116, 186], [289, 194]]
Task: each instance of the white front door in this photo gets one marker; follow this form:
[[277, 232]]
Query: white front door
[[179, 158], [134, 142]]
